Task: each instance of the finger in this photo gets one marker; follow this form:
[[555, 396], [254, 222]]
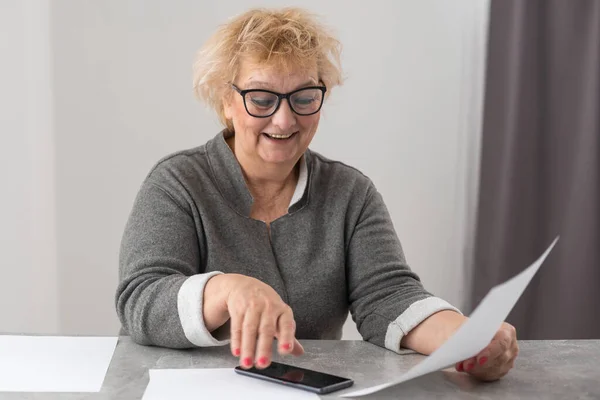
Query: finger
[[286, 331], [492, 374], [502, 360], [459, 366], [511, 363], [297, 350], [236, 334], [501, 344], [249, 333], [482, 358], [494, 370], [266, 334], [503, 368], [469, 364]]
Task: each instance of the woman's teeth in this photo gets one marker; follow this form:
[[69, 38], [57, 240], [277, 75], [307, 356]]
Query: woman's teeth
[[274, 136]]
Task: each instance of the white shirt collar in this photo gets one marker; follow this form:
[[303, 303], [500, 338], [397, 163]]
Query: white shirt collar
[[302, 181]]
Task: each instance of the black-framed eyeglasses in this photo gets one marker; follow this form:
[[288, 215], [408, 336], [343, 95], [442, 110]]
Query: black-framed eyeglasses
[[262, 103]]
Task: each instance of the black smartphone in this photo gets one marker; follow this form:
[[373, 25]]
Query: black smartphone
[[301, 378]]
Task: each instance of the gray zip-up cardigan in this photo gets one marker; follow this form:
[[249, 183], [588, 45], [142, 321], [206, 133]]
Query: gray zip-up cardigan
[[335, 251]]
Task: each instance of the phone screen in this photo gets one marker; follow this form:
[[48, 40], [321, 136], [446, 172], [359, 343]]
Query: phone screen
[[299, 376]]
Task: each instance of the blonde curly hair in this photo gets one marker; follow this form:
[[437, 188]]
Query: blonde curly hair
[[287, 38]]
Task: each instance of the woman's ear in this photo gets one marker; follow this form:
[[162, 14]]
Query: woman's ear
[[228, 106], [228, 112]]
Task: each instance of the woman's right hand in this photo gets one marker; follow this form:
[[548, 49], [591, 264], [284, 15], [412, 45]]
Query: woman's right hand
[[257, 316]]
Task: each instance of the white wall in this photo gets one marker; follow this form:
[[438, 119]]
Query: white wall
[[122, 99], [28, 283]]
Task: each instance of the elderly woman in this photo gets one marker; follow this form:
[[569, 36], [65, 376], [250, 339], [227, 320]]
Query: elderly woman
[[252, 237]]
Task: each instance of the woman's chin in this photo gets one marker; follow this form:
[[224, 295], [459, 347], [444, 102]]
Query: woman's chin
[[279, 158]]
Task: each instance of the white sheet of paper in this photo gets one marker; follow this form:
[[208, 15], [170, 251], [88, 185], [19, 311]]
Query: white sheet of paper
[[54, 364], [475, 334], [219, 383]]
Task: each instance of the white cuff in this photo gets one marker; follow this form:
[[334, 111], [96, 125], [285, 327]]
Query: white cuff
[[189, 306], [411, 317]]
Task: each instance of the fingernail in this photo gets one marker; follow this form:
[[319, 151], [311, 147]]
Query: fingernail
[[236, 352], [483, 360], [469, 366], [286, 346], [459, 368], [262, 361], [247, 361]]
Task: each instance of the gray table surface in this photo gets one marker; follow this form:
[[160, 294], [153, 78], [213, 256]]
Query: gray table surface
[[544, 370]]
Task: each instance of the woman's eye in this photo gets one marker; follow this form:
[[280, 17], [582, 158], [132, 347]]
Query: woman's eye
[[263, 102], [304, 101]]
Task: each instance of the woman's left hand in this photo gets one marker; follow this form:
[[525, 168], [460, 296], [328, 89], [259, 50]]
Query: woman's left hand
[[496, 359]]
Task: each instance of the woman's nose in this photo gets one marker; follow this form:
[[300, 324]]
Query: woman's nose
[[284, 118]]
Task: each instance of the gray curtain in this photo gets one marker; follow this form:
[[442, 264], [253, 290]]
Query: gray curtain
[[540, 164]]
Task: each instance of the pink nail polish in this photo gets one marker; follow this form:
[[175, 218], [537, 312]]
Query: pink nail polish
[[236, 352], [262, 361], [286, 346], [483, 360], [247, 361], [469, 366]]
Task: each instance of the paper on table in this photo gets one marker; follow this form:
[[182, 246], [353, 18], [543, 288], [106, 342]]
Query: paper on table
[[54, 364], [219, 383], [476, 333]]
